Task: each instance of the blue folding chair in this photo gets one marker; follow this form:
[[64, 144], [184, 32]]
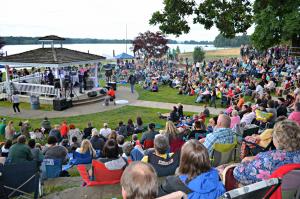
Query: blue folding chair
[[51, 168]]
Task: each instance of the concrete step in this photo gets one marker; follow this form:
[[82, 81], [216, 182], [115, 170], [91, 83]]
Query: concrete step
[[88, 100]]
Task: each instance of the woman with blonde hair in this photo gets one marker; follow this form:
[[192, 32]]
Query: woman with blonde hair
[[86, 147], [174, 136], [9, 131]]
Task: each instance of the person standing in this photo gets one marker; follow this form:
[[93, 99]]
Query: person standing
[[1, 76], [132, 80], [16, 102]]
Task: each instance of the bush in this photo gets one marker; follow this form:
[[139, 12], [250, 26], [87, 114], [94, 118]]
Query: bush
[[198, 54]]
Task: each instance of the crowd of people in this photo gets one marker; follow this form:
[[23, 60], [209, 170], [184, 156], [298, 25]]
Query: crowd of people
[[183, 149]]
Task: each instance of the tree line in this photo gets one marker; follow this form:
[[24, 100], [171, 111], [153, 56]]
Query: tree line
[[221, 41], [34, 40]]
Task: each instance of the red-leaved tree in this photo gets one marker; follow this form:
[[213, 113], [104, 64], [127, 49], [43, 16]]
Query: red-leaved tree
[[150, 45]]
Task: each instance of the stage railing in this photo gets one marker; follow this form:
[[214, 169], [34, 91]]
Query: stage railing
[[35, 89], [32, 78]]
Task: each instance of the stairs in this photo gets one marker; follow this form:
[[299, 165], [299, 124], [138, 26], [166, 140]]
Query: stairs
[[88, 100]]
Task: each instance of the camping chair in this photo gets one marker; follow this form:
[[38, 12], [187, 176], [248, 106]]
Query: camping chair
[[262, 189], [148, 144], [51, 168], [101, 175], [253, 149], [20, 180], [252, 129], [223, 153], [290, 186]]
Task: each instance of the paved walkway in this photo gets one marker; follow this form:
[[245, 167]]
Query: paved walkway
[[122, 93], [169, 106]]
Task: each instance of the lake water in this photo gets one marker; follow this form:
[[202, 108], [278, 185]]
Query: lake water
[[105, 50]]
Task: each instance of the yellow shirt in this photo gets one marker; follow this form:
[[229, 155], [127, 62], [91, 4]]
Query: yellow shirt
[[145, 158]]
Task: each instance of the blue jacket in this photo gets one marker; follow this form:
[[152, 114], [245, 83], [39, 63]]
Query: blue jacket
[[205, 186]]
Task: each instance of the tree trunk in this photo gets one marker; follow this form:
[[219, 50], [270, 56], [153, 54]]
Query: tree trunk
[[295, 49]]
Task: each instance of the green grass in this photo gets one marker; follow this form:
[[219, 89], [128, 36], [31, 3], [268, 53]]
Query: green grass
[[26, 106], [52, 189]]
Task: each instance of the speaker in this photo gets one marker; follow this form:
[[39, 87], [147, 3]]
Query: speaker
[[61, 104], [92, 94], [56, 83]]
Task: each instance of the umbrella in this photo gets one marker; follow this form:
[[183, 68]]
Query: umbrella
[[124, 56]]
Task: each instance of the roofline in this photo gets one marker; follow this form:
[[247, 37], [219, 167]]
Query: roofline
[[19, 65]]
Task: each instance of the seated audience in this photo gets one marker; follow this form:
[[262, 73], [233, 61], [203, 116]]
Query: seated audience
[[212, 122], [130, 127], [139, 181], [122, 129], [96, 140], [235, 119], [105, 131], [110, 156], [19, 152], [223, 134], [150, 134], [46, 125], [163, 162], [74, 132], [174, 136], [295, 115], [199, 128], [36, 152], [261, 166], [86, 148], [55, 133], [139, 127], [10, 131], [120, 141], [194, 176], [64, 129], [87, 131], [5, 148], [54, 151], [75, 144]]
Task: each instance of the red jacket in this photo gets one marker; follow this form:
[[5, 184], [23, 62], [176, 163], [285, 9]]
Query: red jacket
[[64, 129]]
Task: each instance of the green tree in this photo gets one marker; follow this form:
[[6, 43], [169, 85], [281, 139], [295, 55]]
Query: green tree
[[229, 16], [275, 20], [221, 41], [198, 54]]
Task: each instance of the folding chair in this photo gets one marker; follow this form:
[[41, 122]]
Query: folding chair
[[51, 168], [148, 144], [290, 186], [223, 153], [263, 189], [20, 180], [101, 175]]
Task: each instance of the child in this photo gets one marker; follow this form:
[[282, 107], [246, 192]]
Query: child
[[206, 111], [135, 141]]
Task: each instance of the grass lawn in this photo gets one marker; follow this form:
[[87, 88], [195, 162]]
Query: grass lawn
[[26, 106], [167, 94]]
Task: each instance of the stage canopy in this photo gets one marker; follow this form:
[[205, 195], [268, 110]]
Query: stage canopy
[[124, 56]]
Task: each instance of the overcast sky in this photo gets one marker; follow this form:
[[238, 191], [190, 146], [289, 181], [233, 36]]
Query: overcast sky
[[102, 19]]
